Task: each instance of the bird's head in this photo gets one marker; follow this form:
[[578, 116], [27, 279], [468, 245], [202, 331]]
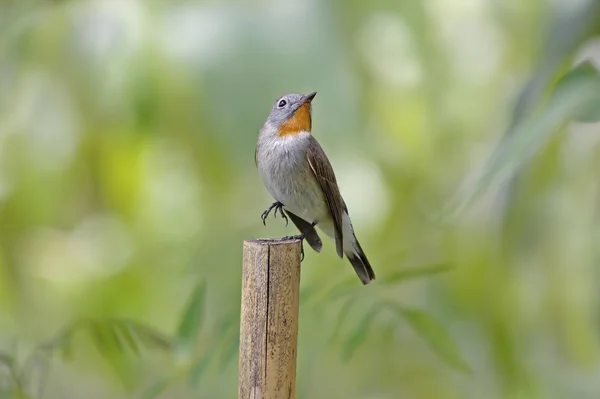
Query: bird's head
[[290, 114]]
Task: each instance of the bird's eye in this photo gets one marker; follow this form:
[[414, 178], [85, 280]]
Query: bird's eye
[[281, 103]]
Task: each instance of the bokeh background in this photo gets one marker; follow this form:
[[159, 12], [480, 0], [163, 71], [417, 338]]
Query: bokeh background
[[467, 153]]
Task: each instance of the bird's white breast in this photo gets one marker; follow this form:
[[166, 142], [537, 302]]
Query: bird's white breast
[[284, 168]]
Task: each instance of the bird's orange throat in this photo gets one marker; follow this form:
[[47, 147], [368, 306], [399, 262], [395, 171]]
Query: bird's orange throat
[[299, 122]]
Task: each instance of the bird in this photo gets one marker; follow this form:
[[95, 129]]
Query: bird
[[298, 175]]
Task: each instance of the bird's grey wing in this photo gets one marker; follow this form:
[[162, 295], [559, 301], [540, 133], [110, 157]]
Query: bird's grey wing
[[310, 234], [326, 178]]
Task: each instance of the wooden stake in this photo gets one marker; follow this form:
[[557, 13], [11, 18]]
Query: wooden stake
[[269, 319]]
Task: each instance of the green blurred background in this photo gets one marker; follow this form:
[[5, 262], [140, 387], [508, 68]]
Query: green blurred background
[[468, 156]]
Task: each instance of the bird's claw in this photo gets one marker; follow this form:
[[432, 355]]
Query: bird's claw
[[283, 215], [278, 207]]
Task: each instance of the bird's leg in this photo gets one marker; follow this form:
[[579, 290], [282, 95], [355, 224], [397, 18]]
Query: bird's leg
[[278, 206], [301, 238]]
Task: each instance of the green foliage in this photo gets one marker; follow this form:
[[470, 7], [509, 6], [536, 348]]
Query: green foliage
[[110, 337], [191, 321], [434, 334], [415, 272], [348, 286], [127, 133], [424, 325], [536, 119], [115, 338], [582, 79], [356, 338], [195, 362]]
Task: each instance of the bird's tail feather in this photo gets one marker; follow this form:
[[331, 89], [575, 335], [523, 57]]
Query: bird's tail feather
[[361, 264]]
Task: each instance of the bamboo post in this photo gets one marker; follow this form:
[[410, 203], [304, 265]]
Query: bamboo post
[[269, 319]]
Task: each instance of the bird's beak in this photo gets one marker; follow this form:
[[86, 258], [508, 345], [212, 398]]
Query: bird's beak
[[309, 97]]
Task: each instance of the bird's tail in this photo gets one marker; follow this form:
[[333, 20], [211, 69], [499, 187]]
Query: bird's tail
[[361, 264]]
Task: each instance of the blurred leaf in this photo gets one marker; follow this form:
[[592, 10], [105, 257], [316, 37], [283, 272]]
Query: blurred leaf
[[66, 351], [147, 335], [232, 348], [12, 374], [228, 333], [191, 321], [110, 335], [36, 371], [533, 120], [199, 367], [360, 332], [157, 388], [63, 338], [563, 37], [115, 337], [580, 77], [415, 272], [63, 341], [7, 360], [97, 331], [227, 324], [341, 318], [519, 146], [17, 393], [109, 345], [109, 348], [349, 286], [307, 292], [434, 334], [346, 287], [316, 294], [127, 334]]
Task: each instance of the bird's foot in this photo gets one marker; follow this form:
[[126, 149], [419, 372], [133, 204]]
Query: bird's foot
[[278, 207], [297, 237]]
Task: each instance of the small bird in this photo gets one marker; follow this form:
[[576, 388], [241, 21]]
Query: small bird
[[297, 173]]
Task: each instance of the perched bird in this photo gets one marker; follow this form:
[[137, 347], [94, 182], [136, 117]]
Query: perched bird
[[297, 173]]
